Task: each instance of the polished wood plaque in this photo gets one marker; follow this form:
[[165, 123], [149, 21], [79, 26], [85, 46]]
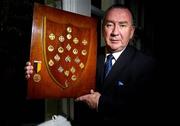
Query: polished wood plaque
[[63, 53]]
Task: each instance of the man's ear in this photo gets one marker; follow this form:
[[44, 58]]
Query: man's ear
[[132, 32]]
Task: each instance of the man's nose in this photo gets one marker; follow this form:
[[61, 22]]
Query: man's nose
[[115, 31]]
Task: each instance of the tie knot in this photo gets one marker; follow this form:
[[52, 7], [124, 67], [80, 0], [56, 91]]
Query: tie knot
[[110, 57]]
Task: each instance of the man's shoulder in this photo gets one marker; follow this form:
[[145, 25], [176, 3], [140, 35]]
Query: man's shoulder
[[141, 58], [140, 53]]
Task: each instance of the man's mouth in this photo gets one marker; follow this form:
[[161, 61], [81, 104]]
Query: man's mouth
[[114, 40]]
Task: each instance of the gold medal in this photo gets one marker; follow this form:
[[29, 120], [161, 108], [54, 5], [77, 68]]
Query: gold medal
[[81, 65], [68, 59], [68, 47], [60, 50], [69, 36], [75, 51], [37, 68], [77, 60], [69, 29], [60, 69], [36, 77], [51, 63], [61, 38], [73, 77], [73, 70], [50, 48], [51, 36], [84, 42], [84, 52], [75, 40], [66, 73], [57, 57]]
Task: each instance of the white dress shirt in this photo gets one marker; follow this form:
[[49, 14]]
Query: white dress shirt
[[116, 56]]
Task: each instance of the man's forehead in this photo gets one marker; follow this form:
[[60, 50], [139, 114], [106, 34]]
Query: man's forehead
[[119, 14], [119, 11]]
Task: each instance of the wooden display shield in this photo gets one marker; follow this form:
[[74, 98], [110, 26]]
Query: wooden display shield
[[63, 54]]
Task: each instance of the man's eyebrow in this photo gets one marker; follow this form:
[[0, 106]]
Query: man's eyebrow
[[108, 21], [121, 22]]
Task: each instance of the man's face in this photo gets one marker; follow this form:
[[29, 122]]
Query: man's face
[[117, 29]]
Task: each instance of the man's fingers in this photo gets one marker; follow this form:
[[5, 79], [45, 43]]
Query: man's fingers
[[29, 71], [27, 76], [92, 91], [28, 68], [82, 98], [28, 63]]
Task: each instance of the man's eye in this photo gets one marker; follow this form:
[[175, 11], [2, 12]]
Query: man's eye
[[123, 26], [109, 25]]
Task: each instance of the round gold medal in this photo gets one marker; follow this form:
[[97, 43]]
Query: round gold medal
[[69, 36], [36, 77], [69, 29]]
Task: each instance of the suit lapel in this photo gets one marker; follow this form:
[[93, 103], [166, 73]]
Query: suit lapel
[[100, 68], [117, 70]]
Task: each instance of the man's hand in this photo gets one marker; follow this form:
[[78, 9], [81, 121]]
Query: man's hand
[[28, 70], [91, 99]]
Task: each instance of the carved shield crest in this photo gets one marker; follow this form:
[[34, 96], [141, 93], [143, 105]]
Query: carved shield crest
[[63, 53], [66, 50]]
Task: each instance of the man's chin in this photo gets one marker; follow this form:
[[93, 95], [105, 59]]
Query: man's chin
[[116, 49]]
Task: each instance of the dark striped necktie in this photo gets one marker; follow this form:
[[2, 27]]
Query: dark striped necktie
[[108, 65]]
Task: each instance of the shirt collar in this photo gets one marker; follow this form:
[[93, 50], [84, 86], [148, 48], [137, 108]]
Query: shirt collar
[[115, 54]]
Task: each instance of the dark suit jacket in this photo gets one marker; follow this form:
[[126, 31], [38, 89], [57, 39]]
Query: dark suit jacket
[[126, 93]]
